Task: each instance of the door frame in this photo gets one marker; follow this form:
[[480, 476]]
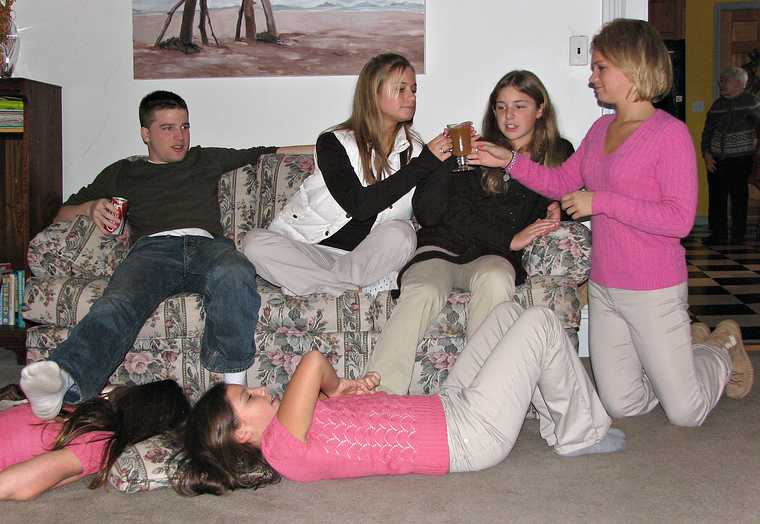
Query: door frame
[[719, 8], [612, 9]]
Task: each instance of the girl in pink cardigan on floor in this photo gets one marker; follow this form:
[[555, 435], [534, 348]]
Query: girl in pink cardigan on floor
[[638, 167], [328, 427], [37, 455]]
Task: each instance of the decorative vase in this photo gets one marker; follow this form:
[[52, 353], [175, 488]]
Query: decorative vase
[[9, 47]]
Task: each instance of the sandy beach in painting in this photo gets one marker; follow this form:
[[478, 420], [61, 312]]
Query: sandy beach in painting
[[313, 43]]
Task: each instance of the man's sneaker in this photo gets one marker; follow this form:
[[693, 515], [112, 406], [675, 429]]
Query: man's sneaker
[[699, 332], [728, 335]]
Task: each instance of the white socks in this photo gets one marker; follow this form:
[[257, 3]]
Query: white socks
[[45, 384], [237, 377], [613, 441]]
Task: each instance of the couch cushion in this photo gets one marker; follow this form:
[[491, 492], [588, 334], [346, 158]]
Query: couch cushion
[[73, 249], [249, 197], [144, 466], [564, 252], [65, 301], [149, 465]]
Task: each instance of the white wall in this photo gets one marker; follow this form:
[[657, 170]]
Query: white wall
[[85, 46]]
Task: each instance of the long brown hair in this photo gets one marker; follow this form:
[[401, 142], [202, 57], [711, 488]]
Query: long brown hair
[[366, 120], [212, 461], [130, 413], [545, 145]]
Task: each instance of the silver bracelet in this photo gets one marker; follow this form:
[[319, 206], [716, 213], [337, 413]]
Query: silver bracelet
[[509, 166]]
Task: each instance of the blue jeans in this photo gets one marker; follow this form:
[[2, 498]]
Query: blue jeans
[[155, 269]]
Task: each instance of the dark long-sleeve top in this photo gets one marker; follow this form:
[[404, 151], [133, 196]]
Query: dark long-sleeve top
[[363, 203], [170, 196], [456, 214], [731, 127]]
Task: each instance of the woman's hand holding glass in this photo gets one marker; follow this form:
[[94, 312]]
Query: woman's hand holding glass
[[488, 154], [440, 146]]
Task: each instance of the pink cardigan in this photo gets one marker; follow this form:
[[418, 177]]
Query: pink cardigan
[[359, 436], [645, 198]]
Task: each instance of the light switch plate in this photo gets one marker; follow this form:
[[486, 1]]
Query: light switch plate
[[579, 50]]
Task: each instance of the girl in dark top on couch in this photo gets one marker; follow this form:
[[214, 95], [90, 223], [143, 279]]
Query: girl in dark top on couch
[[348, 226], [474, 227]]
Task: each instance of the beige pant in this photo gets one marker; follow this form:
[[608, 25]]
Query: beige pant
[[424, 288], [516, 358], [303, 269], [641, 351]]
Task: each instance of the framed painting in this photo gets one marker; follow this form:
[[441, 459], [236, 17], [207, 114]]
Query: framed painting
[[230, 38]]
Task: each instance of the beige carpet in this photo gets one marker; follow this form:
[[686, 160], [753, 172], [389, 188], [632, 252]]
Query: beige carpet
[[667, 474]]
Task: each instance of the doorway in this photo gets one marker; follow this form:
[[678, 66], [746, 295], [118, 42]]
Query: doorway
[[737, 41]]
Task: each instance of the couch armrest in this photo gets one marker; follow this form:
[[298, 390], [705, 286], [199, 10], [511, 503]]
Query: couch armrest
[[74, 248], [563, 253]]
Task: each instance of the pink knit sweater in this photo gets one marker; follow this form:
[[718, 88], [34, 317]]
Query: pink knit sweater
[[645, 198], [359, 436]]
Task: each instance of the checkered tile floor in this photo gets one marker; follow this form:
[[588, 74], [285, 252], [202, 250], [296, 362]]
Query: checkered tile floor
[[724, 282]]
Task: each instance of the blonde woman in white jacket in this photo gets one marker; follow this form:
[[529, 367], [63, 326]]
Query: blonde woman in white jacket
[[349, 224]]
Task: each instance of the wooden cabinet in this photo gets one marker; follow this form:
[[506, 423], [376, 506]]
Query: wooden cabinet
[[31, 187]]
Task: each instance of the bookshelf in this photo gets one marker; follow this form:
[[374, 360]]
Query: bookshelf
[[31, 188]]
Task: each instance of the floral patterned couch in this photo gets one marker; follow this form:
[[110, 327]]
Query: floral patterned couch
[[71, 263]]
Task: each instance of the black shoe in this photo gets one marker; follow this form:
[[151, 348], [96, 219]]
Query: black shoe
[[713, 240]]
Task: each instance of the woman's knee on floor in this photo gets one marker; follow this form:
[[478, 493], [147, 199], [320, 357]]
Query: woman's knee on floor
[[685, 411], [621, 405]]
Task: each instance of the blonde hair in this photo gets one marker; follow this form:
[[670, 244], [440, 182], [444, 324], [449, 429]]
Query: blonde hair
[[366, 119], [545, 144], [635, 47]]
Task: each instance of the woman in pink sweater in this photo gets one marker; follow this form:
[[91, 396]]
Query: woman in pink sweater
[[328, 427], [37, 455], [639, 170]]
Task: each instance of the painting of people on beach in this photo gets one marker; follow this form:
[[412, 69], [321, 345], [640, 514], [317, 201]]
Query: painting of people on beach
[[232, 38]]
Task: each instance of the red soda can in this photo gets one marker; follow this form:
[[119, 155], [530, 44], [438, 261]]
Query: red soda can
[[120, 211]]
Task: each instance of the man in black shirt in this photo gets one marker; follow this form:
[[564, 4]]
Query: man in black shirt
[[178, 247]]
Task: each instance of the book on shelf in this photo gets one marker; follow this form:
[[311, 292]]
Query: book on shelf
[[11, 115], [12, 284], [7, 297]]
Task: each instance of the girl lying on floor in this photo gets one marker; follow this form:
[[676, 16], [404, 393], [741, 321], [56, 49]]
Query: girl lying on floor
[[38, 455], [328, 427]]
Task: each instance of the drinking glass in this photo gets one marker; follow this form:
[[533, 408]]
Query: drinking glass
[[460, 135]]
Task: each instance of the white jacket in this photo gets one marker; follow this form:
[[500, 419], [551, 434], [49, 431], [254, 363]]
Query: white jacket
[[312, 214]]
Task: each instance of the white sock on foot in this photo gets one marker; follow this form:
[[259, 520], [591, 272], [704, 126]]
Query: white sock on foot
[[613, 441], [237, 377], [45, 384]]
